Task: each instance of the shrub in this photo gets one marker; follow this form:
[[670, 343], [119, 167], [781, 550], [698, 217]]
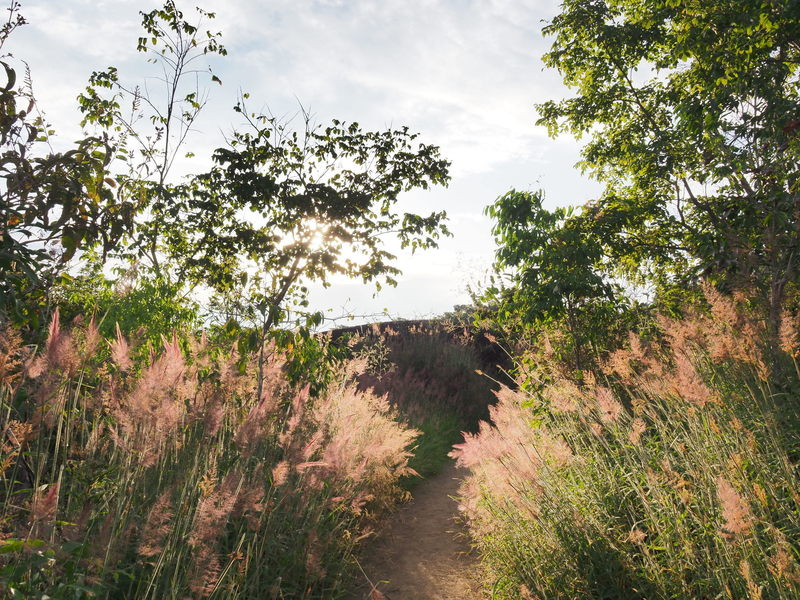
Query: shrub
[[142, 306]]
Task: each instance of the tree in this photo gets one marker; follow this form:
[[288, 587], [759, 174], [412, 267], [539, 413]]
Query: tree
[[550, 268], [282, 207], [692, 115], [151, 122], [56, 204], [53, 203]]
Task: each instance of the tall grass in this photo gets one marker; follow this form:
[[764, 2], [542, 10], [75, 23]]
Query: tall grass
[[675, 475], [170, 479]]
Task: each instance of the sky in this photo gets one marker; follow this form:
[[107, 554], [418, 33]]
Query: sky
[[465, 74]]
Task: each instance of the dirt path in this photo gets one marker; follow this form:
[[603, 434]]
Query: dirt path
[[421, 552]]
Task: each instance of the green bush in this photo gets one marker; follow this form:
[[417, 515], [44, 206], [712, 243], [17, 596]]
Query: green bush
[[145, 307]]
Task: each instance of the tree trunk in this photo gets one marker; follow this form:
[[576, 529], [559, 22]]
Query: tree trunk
[[573, 328]]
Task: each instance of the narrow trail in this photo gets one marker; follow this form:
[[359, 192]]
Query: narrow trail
[[421, 552]]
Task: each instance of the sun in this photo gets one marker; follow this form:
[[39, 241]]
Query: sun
[[318, 231]]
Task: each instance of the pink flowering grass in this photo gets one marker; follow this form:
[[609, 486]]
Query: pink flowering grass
[[168, 478], [432, 375], [427, 370], [670, 475]]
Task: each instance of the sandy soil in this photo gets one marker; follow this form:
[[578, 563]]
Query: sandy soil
[[421, 552]]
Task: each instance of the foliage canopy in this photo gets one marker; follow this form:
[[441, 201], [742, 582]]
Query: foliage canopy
[[691, 114]]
